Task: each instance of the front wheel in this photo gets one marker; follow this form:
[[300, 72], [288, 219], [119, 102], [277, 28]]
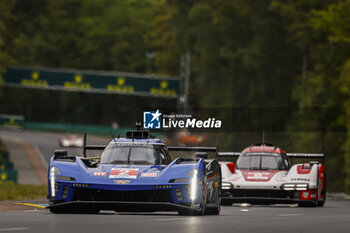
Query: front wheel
[[215, 210], [320, 203], [201, 210], [307, 204], [193, 212]]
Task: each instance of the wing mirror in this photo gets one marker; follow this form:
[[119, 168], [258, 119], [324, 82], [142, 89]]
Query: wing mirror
[[60, 154], [200, 155]]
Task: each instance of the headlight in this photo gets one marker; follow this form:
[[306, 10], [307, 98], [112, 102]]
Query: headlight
[[292, 187], [227, 185], [194, 183], [65, 178], [179, 180], [53, 172]]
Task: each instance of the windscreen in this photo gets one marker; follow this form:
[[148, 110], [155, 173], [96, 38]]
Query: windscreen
[[262, 161], [134, 154]]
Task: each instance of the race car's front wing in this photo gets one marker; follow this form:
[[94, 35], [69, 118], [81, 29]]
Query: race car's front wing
[[120, 198], [121, 206]]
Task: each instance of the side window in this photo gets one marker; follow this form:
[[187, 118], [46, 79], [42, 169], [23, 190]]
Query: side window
[[165, 153], [286, 161]]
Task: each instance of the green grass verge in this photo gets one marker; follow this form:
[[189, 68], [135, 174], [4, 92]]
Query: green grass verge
[[15, 192]]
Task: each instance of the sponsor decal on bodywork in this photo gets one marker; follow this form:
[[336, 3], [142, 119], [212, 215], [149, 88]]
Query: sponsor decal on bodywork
[[122, 181], [129, 173], [149, 174], [305, 195], [100, 173], [258, 176]]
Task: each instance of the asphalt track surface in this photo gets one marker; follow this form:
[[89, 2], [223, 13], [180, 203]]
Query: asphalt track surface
[[333, 217]]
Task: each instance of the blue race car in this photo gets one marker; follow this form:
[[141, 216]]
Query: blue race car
[[134, 174]]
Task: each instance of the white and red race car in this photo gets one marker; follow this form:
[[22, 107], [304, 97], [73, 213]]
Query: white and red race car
[[263, 174], [72, 140]]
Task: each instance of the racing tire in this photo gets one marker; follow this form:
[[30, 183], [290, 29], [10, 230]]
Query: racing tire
[[226, 202], [201, 211], [307, 204], [320, 203], [193, 212], [215, 210], [186, 212]]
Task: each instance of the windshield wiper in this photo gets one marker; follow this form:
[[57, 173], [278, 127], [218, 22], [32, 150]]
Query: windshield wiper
[[260, 162], [129, 155]]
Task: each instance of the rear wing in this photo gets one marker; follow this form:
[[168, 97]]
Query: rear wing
[[201, 151], [228, 154], [192, 148], [289, 155], [170, 148]]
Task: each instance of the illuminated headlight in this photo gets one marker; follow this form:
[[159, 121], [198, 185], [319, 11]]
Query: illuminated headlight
[[53, 172], [65, 143], [79, 143], [194, 183], [302, 187], [226, 185], [292, 187]]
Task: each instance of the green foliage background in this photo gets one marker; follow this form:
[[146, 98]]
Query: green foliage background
[[266, 53]]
